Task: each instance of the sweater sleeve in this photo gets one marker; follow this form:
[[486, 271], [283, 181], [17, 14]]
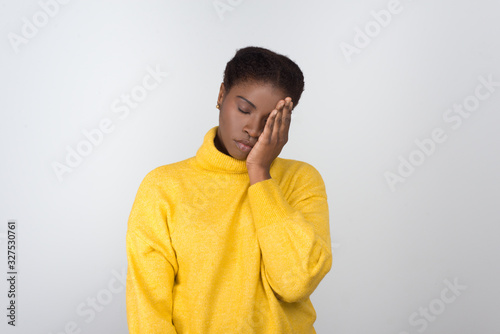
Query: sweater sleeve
[[152, 264], [293, 233]]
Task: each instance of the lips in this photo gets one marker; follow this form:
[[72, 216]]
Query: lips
[[244, 146], [245, 143]]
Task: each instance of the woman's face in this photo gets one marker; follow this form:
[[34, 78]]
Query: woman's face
[[243, 114]]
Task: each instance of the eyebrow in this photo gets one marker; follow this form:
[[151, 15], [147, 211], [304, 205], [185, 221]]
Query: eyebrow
[[250, 103]]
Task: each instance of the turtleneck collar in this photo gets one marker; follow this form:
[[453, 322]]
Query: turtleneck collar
[[209, 157]]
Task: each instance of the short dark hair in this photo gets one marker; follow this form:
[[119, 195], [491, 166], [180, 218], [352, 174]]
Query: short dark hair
[[258, 64]]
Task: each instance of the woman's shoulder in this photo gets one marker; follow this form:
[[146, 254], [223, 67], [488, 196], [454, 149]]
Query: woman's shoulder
[[168, 171], [296, 168]]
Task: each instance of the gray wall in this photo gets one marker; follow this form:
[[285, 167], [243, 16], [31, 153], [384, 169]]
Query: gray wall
[[400, 115]]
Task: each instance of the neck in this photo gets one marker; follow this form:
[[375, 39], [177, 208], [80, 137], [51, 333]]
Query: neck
[[219, 145]]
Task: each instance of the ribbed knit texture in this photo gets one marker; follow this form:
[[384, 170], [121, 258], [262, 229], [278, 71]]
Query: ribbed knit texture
[[210, 254]]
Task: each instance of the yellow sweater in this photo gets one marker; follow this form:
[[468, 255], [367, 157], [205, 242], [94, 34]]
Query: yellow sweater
[[210, 254]]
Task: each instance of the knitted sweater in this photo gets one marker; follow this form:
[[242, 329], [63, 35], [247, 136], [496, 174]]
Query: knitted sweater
[[210, 254]]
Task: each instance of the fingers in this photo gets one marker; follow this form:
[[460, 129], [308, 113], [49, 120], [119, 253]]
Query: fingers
[[277, 120], [287, 111], [278, 123], [282, 120]]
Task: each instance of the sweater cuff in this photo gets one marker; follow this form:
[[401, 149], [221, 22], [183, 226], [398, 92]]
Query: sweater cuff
[[268, 203]]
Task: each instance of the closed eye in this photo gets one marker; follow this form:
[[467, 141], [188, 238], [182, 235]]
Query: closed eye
[[246, 112]]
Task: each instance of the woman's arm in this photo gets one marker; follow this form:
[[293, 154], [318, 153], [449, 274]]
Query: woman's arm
[[152, 264], [293, 233]]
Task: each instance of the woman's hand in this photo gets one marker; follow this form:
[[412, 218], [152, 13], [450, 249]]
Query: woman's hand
[[272, 139]]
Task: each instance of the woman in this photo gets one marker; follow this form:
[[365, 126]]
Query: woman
[[234, 239]]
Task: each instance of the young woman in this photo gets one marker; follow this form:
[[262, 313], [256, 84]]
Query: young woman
[[234, 239]]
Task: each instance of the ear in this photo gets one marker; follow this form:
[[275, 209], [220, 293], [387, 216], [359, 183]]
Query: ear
[[222, 92]]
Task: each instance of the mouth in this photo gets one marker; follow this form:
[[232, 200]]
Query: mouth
[[243, 147]]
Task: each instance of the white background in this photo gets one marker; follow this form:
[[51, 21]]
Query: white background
[[360, 115]]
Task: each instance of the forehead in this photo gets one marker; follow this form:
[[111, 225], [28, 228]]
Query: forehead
[[263, 95]]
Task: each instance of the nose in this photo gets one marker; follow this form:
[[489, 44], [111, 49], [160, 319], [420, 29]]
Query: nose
[[254, 127]]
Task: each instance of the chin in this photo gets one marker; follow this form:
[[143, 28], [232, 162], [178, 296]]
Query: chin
[[240, 156]]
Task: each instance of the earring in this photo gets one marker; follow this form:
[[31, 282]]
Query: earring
[[217, 106]]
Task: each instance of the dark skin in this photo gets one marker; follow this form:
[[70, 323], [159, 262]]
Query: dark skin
[[265, 125]]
